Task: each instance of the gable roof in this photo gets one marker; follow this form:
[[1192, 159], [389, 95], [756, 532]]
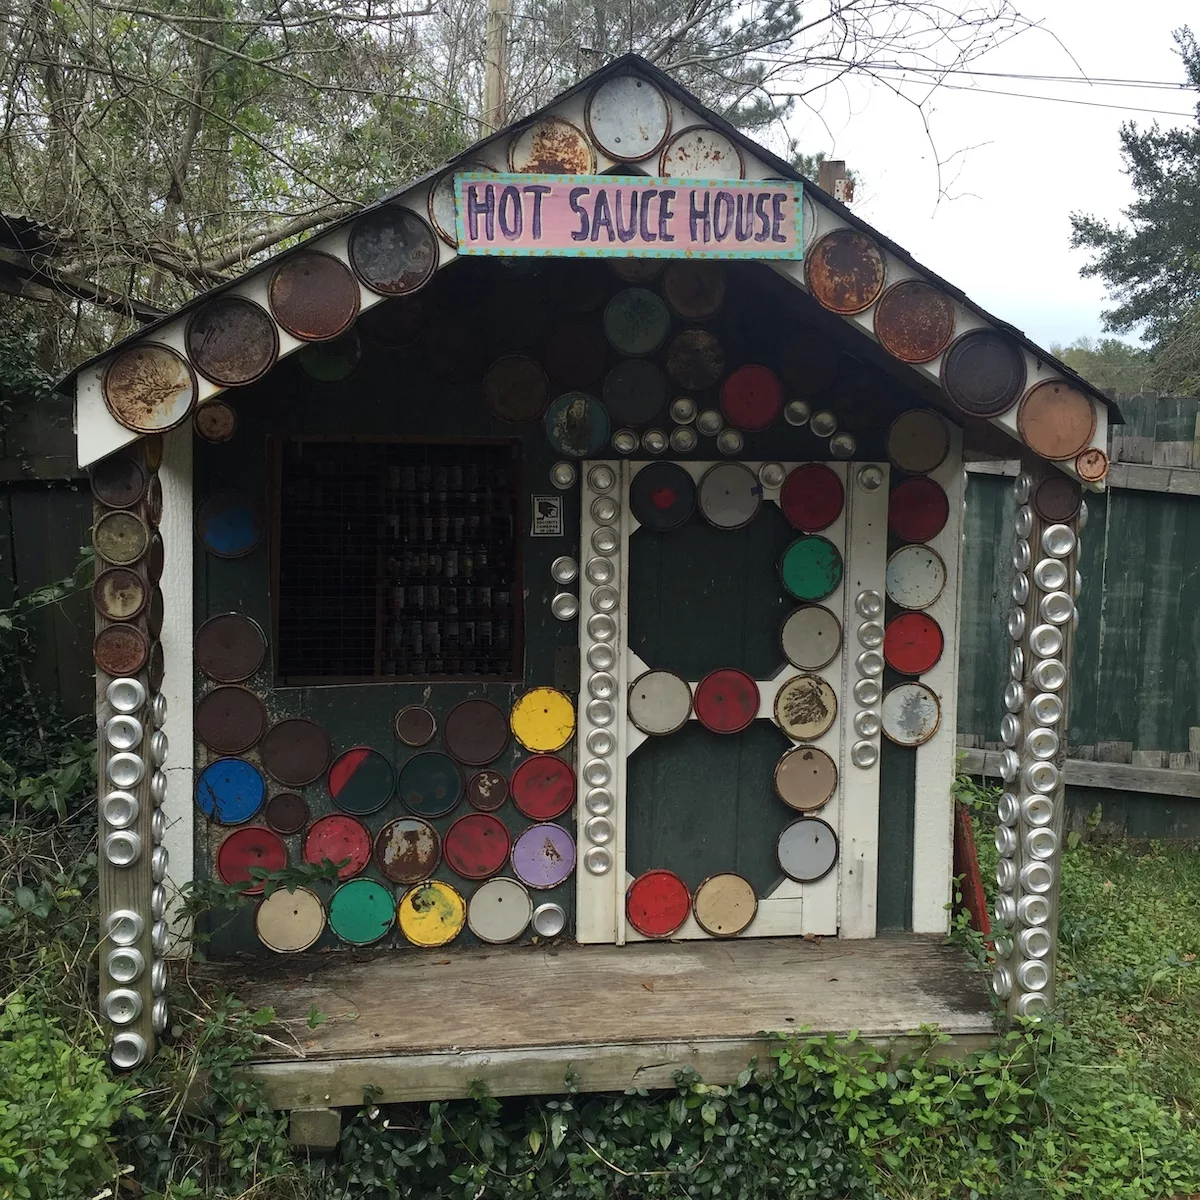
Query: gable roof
[[99, 434]]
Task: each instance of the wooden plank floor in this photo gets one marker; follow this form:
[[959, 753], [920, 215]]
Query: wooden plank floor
[[424, 1025]]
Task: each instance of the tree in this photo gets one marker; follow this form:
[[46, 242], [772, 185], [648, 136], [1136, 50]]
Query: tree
[[1108, 363]]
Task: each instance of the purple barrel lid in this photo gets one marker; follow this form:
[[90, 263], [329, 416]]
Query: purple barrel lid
[[544, 856]]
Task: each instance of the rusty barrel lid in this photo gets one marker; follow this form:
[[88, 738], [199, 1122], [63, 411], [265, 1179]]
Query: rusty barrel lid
[[149, 388], [729, 495], [394, 324], [629, 118], [577, 425], [155, 666], [845, 271], [120, 537], [724, 904], [576, 353], [726, 700], [636, 322], [634, 391], [295, 751], [331, 361], [811, 567], [983, 373], [695, 359], [543, 856], [809, 362], [751, 397], [443, 209], [805, 778], [662, 496], [215, 421], [810, 637], [912, 643], [807, 850], [516, 389], [119, 594], [432, 913], [1057, 499], [286, 812], [695, 289], [121, 650], [230, 791], [657, 903], [499, 911], [475, 732], [118, 481], [918, 441], [543, 787], [229, 524], [252, 846], [487, 790], [914, 322], [1092, 464], [911, 713], [476, 846], [392, 250], [314, 296], [701, 152], [361, 912], [407, 850], [229, 720], [805, 707], [1056, 420], [230, 647], [338, 838], [231, 340], [918, 509], [430, 784], [551, 146], [289, 922], [812, 497], [415, 725], [155, 611], [361, 780]]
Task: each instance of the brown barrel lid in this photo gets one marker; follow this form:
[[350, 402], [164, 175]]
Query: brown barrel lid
[[695, 359], [476, 732], [918, 441], [415, 725], [407, 850], [154, 557], [1092, 464], [1057, 498], [229, 720], [120, 650], [809, 362], [152, 451], [806, 778], [154, 501], [231, 340], [286, 812], [120, 537], [215, 421], [119, 594], [393, 251], [695, 290], [576, 353], [1056, 420], [156, 666], [149, 388], [295, 751], [313, 296], [983, 373], [118, 481], [155, 611], [551, 146], [845, 271], [230, 647], [487, 790], [516, 389], [914, 321], [724, 904]]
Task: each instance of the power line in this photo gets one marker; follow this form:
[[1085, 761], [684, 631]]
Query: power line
[[1157, 112]]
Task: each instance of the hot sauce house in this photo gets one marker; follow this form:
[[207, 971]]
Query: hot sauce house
[[565, 551]]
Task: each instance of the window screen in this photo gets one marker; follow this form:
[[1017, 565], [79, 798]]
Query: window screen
[[397, 560]]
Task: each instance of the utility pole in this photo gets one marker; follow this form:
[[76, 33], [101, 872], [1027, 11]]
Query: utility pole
[[495, 80]]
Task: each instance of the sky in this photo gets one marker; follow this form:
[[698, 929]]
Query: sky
[[1022, 166]]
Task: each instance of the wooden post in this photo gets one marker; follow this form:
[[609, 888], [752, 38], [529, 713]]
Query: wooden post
[[495, 84]]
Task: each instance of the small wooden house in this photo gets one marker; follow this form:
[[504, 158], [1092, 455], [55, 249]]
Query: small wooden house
[[565, 551]]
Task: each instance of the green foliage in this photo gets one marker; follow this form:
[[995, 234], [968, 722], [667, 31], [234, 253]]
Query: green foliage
[[1108, 363]]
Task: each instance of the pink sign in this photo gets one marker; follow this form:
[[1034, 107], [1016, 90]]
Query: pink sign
[[628, 216]]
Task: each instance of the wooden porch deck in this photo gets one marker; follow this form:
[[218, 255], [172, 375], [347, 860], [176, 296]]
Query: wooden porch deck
[[422, 1026]]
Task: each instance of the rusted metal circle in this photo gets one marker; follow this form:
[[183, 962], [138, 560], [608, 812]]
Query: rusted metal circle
[[729, 495], [118, 481], [807, 850], [806, 778], [230, 647], [155, 611], [1092, 464], [395, 324], [229, 524], [916, 576], [338, 839], [1057, 499], [149, 388], [415, 725], [119, 594], [288, 922], [695, 290], [695, 359], [812, 497], [637, 270], [629, 118], [441, 204], [361, 781], [636, 322], [657, 903], [726, 700], [914, 321], [576, 353], [845, 271], [809, 362], [487, 790], [229, 720], [475, 732], [918, 441], [805, 707], [516, 389], [154, 501], [577, 425], [543, 787], [430, 784], [156, 666], [295, 751], [232, 340], [121, 650], [230, 791], [752, 398], [215, 421], [983, 373], [393, 251], [314, 296], [911, 714], [724, 905], [662, 496], [120, 537], [913, 643], [551, 146], [476, 845], [634, 391], [918, 510], [811, 637], [499, 911], [286, 812], [250, 847], [407, 850], [700, 152], [1056, 420], [332, 361]]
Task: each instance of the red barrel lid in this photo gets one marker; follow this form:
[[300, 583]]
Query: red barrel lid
[[657, 903], [339, 838], [726, 700], [543, 787], [752, 397], [912, 643], [812, 497], [476, 845], [361, 780], [918, 509], [253, 846]]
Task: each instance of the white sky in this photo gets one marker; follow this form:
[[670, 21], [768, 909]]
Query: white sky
[[1004, 238]]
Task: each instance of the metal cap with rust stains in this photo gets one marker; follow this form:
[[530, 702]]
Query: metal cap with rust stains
[[232, 341], [1092, 464], [119, 594], [1056, 420], [845, 271], [551, 146], [121, 650], [149, 388], [393, 251], [118, 481], [914, 322], [313, 296]]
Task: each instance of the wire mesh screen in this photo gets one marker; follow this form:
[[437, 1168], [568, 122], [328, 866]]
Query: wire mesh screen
[[398, 559]]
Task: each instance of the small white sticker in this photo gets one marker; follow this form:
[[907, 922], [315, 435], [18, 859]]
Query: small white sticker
[[547, 516]]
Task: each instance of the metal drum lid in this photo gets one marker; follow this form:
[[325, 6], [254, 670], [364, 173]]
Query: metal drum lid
[[808, 362], [918, 510], [694, 289], [912, 643], [120, 538], [499, 911], [487, 790], [155, 557], [811, 637], [628, 118], [432, 914], [911, 714], [121, 650], [751, 398], [407, 850], [660, 702], [341, 840], [543, 856], [230, 647], [812, 497], [229, 524], [332, 361], [286, 812], [288, 922], [657, 903], [476, 845], [811, 568], [232, 340], [634, 391], [215, 421], [805, 707], [914, 321], [701, 152], [430, 784], [662, 496], [729, 495], [119, 594], [636, 322], [916, 576], [475, 732], [726, 700], [361, 780], [807, 850], [983, 373], [845, 271], [118, 481], [1057, 499], [543, 787], [361, 912], [1056, 420], [415, 725], [149, 388], [392, 250], [155, 666], [442, 206], [230, 791], [576, 353], [313, 296], [577, 425], [918, 441], [154, 501], [295, 751], [246, 848], [516, 389], [695, 359], [1092, 464], [551, 146], [543, 719], [229, 720], [806, 778], [724, 905], [155, 612]]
